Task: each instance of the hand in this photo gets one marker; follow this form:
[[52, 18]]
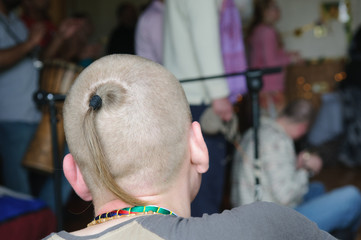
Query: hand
[[68, 28], [310, 162], [223, 108], [36, 34]]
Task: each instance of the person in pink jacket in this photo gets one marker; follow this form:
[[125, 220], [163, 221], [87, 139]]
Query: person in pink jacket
[[266, 50]]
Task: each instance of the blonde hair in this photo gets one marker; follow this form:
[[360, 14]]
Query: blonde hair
[[299, 111], [137, 140]]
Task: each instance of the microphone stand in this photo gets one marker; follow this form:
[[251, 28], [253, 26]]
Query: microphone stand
[[254, 85], [42, 98]]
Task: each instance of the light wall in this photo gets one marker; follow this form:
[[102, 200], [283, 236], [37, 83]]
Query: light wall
[[295, 13]]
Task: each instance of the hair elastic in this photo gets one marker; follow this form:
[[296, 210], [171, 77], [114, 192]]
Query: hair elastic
[[95, 102]]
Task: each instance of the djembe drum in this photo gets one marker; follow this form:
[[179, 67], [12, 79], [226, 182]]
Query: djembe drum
[[56, 77]]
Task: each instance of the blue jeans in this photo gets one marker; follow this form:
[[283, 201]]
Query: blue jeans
[[47, 191], [210, 195], [336, 210], [14, 140], [46, 188]]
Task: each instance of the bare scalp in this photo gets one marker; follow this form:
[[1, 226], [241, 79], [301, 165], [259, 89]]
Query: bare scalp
[[137, 139]]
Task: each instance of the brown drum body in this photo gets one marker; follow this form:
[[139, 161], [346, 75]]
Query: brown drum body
[[56, 77]]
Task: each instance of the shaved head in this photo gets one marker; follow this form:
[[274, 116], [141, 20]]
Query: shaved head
[[138, 135]]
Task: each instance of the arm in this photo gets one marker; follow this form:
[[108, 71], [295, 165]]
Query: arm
[[287, 184], [10, 56], [67, 29], [273, 54], [259, 220], [204, 31], [223, 108]]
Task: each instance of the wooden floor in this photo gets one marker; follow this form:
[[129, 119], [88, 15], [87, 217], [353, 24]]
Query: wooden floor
[[337, 176]]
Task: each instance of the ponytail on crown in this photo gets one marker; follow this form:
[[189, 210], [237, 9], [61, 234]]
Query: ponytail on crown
[[101, 99]]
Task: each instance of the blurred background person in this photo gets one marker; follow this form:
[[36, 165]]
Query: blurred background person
[[66, 42], [149, 32], [350, 150], [76, 46], [336, 132], [121, 39], [192, 49], [35, 12], [266, 50], [19, 116], [232, 48], [284, 176]]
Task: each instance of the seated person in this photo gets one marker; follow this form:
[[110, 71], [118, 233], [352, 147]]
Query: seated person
[[136, 154], [21, 211], [284, 176]]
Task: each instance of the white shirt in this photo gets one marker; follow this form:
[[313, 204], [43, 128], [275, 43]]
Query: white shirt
[[281, 181], [192, 47]]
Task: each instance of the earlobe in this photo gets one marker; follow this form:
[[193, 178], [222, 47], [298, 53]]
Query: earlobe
[[199, 151], [75, 178]]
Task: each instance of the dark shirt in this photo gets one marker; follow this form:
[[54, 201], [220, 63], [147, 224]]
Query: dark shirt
[[121, 41]]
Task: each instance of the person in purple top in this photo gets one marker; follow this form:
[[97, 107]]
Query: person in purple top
[[266, 50], [149, 32]]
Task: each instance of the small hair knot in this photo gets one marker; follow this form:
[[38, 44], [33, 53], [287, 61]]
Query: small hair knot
[[95, 102]]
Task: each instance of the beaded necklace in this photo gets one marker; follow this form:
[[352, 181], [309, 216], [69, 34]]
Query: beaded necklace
[[130, 211]]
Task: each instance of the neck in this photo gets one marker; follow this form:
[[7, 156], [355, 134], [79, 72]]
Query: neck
[[110, 206], [176, 198], [175, 203]]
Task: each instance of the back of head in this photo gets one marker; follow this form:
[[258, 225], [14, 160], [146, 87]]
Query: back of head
[[135, 139], [299, 111]]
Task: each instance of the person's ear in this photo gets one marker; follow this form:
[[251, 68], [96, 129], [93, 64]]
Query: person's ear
[[75, 178], [198, 149]]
